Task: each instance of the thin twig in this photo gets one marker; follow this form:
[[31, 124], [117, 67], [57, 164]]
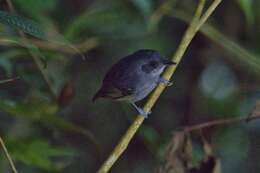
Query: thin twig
[[188, 36], [8, 155], [199, 10], [220, 122], [208, 13], [84, 46], [9, 80]]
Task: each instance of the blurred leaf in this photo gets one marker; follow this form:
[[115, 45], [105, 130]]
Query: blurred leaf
[[144, 6], [247, 7], [165, 8], [197, 153], [6, 65], [232, 145], [33, 50], [10, 54], [110, 22], [38, 153], [38, 109], [30, 27], [26, 25], [149, 134], [35, 8], [218, 81], [245, 56]]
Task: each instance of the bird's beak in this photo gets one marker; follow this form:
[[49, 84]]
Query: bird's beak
[[168, 62]]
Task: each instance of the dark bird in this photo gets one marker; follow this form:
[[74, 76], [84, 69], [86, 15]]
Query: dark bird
[[133, 77]]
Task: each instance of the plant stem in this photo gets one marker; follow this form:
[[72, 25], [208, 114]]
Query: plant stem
[[8, 155], [196, 23], [85, 46]]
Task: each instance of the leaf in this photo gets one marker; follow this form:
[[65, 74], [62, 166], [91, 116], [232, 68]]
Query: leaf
[[35, 8], [144, 6], [38, 153], [26, 25], [242, 56], [30, 27], [149, 134], [115, 21], [34, 50], [232, 145], [40, 110], [247, 7], [165, 8], [6, 65]]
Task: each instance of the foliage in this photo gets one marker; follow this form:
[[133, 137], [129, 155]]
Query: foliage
[[39, 153]]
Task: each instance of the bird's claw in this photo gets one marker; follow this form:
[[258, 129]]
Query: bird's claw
[[143, 113], [165, 81]]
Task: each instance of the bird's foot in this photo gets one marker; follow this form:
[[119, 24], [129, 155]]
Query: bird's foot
[[165, 81], [141, 111]]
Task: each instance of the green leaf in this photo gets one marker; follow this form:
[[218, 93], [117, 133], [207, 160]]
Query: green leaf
[[149, 134], [115, 21], [248, 10], [35, 8], [232, 145], [6, 65], [26, 25], [144, 6], [38, 153], [31, 48], [247, 59], [30, 27], [41, 110]]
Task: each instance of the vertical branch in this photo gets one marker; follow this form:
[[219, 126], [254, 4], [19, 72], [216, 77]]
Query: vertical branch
[[196, 23], [8, 155]]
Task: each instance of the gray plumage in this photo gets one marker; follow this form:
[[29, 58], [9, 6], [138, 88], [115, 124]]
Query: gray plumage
[[133, 77]]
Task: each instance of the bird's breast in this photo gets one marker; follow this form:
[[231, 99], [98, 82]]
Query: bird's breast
[[144, 87]]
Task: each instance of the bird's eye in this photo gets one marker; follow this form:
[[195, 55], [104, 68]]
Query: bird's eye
[[153, 64]]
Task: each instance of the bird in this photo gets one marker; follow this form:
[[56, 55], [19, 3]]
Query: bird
[[133, 77]]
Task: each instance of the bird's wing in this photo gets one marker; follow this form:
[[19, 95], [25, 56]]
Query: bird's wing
[[109, 90], [118, 82]]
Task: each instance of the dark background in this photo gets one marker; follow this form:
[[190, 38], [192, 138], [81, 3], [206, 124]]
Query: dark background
[[57, 128]]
